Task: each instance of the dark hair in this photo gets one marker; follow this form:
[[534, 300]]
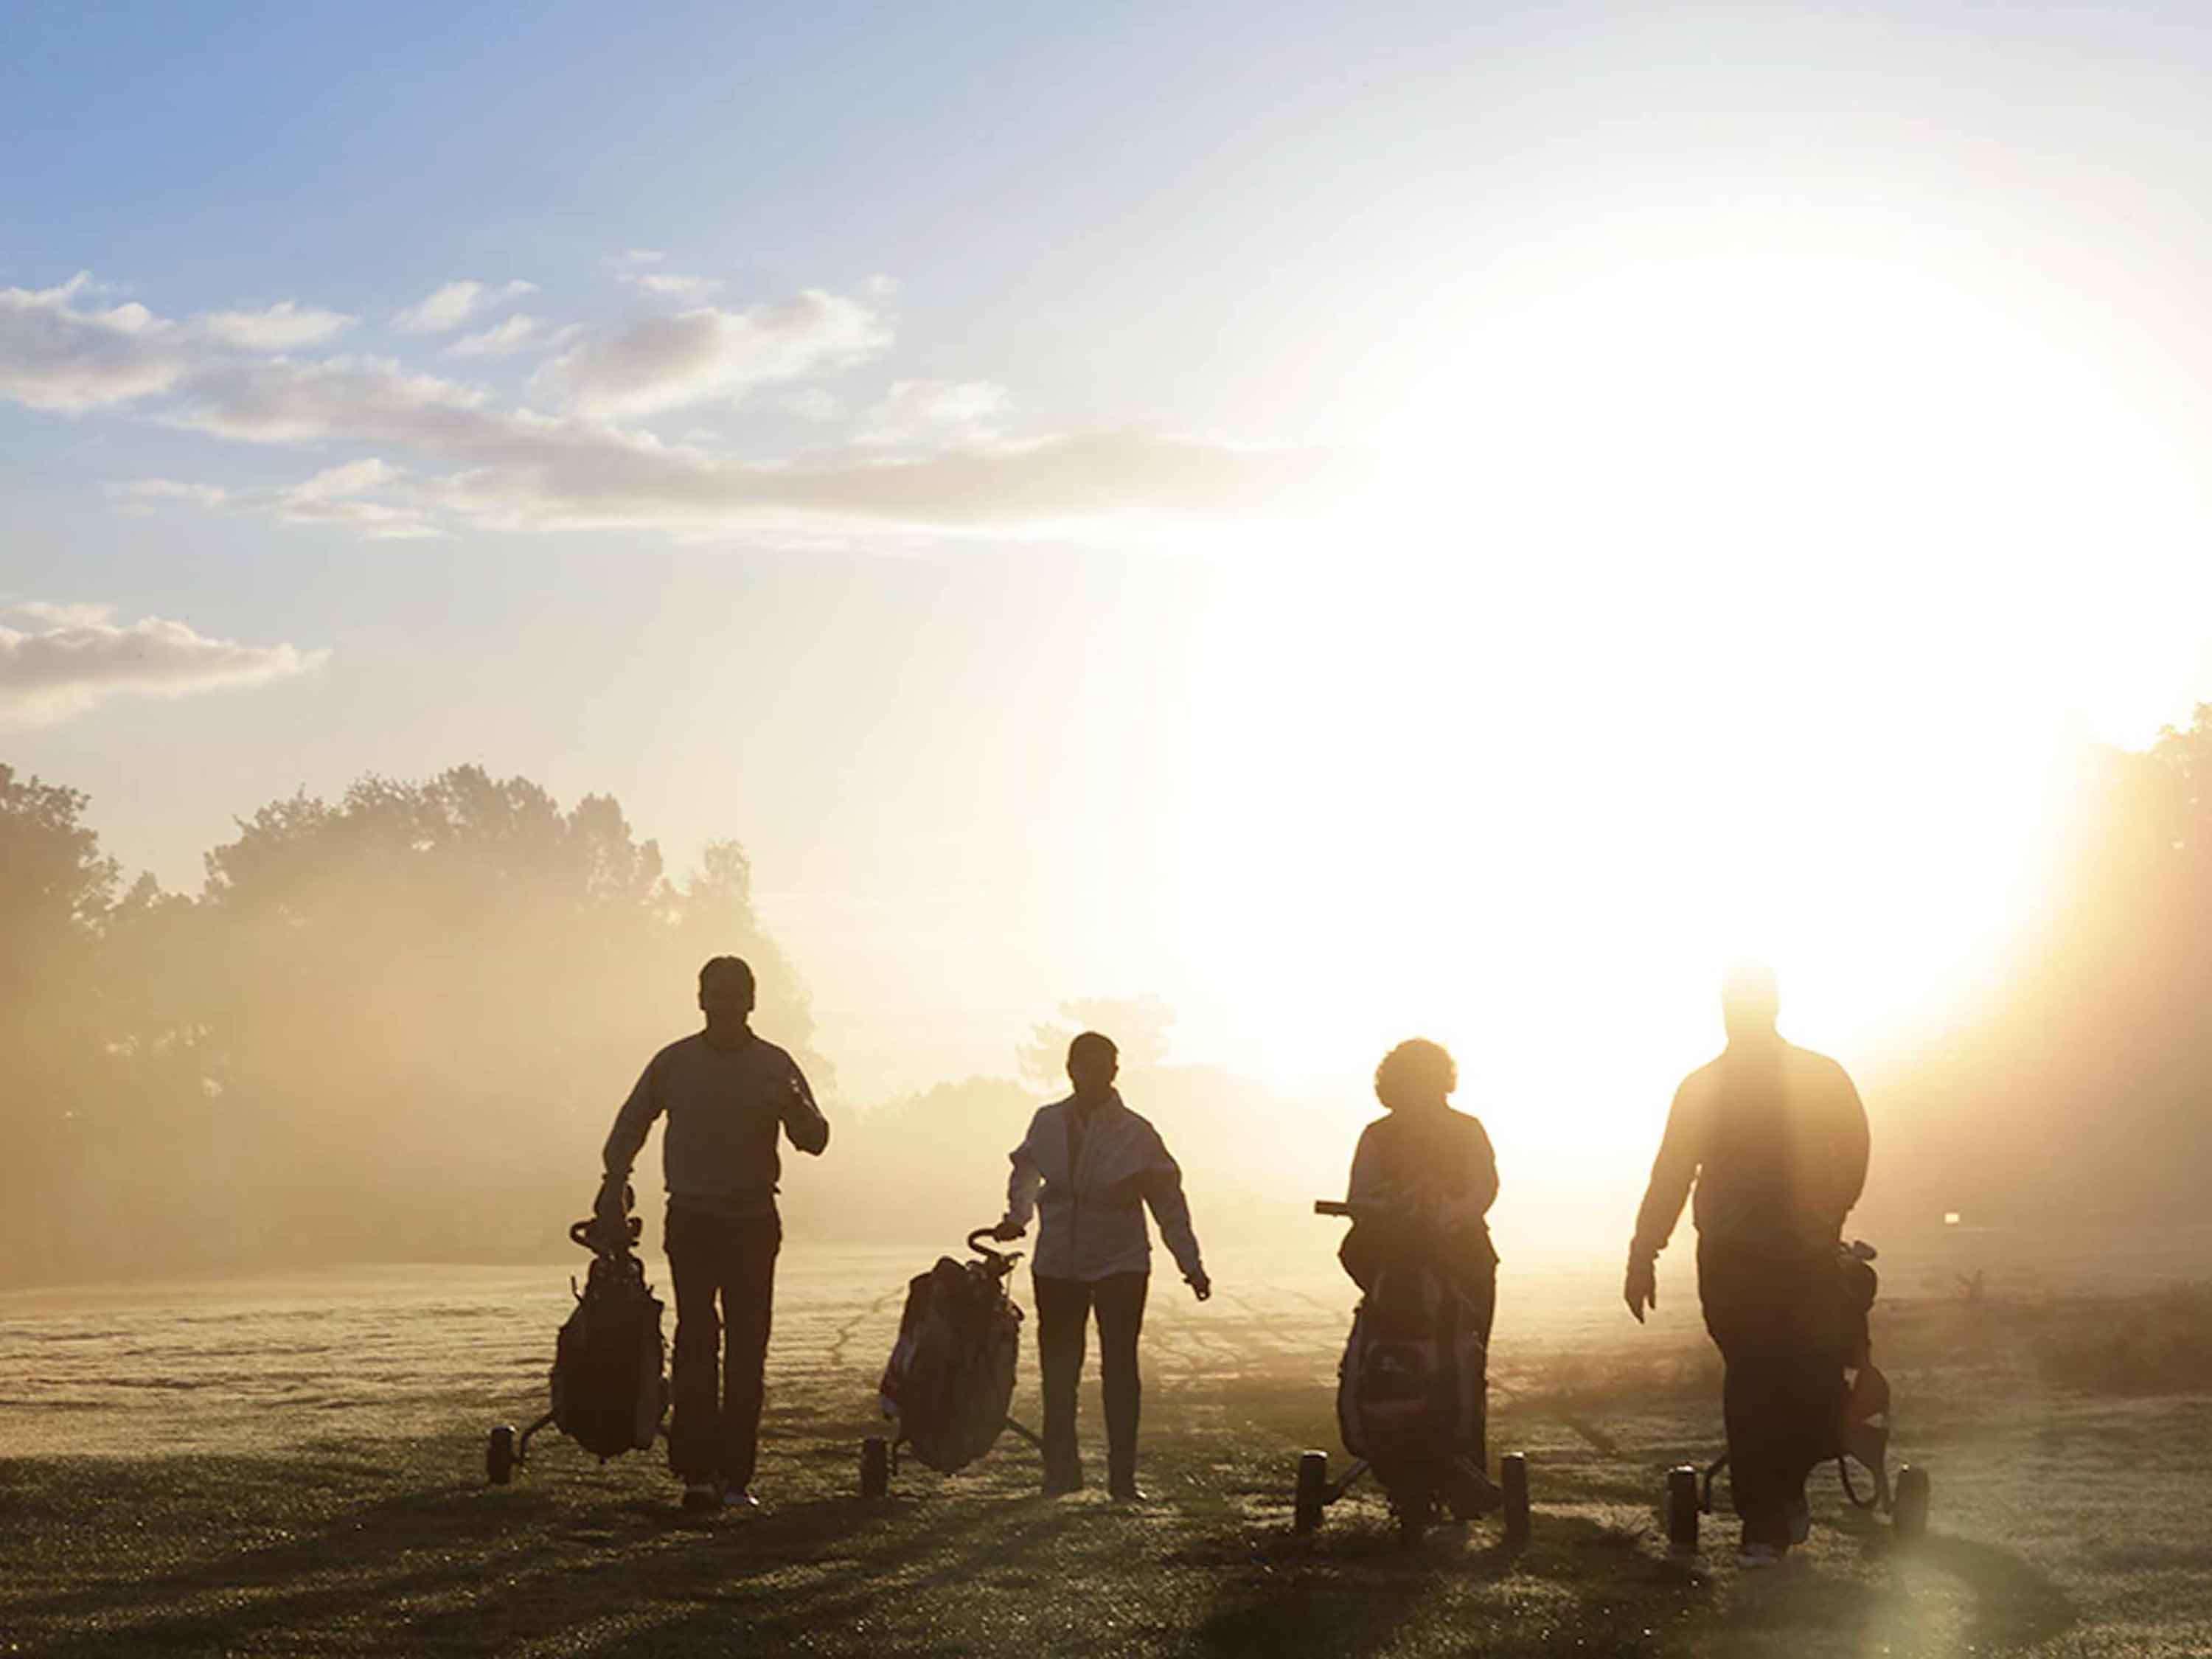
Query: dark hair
[[737, 965], [1416, 1065], [1091, 1042]]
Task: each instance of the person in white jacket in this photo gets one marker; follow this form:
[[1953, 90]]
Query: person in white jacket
[[1087, 1169]]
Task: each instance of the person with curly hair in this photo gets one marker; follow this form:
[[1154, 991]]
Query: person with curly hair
[[1432, 1172]]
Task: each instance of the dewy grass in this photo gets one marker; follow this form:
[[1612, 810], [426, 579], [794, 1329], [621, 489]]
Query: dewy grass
[[355, 1519]]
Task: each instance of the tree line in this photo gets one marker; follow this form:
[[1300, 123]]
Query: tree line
[[385, 1025], [395, 1025]]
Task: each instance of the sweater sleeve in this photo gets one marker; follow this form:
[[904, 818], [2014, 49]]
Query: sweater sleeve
[[633, 1123], [1680, 1151], [1026, 1177], [1163, 1189], [802, 1119]]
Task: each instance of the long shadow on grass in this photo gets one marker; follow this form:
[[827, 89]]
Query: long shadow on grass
[[1358, 1591], [354, 1563], [878, 1601]]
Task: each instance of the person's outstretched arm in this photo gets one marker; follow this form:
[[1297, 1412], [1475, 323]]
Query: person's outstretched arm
[[1022, 1186], [802, 1119], [1680, 1151], [626, 1139], [1162, 1185]]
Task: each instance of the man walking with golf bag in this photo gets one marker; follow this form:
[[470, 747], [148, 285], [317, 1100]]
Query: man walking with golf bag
[[1775, 1139], [727, 1094]]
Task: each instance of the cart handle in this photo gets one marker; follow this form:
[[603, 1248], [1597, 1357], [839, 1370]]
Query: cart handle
[[976, 1243]]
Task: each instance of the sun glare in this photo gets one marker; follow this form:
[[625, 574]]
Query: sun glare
[[1709, 606]]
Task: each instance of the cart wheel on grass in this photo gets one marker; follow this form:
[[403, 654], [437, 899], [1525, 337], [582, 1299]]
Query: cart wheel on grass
[[1683, 1507], [1910, 1515], [1513, 1478], [499, 1455], [875, 1467], [1312, 1491]]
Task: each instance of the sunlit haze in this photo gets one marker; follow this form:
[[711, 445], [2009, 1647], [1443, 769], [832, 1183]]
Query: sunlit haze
[[1461, 530]]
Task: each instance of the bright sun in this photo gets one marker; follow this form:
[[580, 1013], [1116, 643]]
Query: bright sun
[[1711, 603]]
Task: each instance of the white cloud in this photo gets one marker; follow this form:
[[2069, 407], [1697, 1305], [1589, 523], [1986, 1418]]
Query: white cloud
[[664, 362], [668, 285], [287, 402], [83, 659], [285, 326], [447, 460], [502, 340], [343, 496], [448, 308], [934, 412], [55, 357]]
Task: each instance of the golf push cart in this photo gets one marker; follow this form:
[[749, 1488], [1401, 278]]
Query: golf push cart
[[609, 1382], [1862, 1437], [950, 1378], [1411, 1374]]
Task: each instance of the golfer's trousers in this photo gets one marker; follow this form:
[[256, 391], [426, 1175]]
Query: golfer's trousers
[[1777, 1315], [1064, 1307], [715, 1260]]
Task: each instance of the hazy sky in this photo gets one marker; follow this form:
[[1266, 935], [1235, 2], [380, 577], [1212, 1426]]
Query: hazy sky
[[1458, 521]]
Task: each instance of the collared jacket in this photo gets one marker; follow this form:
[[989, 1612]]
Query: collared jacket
[[1775, 1141], [1090, 1208], [725, 1108]]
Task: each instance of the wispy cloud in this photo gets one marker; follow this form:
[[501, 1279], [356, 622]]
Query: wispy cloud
[[75, 658], [670, 286], [936, 412], [57, 354], [284, 327], [447, 307], [501, 340], [666, 362], [430, 454]]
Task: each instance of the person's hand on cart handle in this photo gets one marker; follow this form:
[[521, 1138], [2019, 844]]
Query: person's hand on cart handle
[[1641, 1288], [1006, 1232]]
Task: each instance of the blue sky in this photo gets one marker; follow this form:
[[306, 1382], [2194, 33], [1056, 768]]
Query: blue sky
[[938, 445]]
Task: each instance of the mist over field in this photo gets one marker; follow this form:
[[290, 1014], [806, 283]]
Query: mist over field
[[394, 1026]]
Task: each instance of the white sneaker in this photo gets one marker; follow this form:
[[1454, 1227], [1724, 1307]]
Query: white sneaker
[[1759, 1555]]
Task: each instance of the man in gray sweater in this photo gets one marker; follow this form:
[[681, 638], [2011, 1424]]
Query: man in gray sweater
[[1774, 1139], [727, 1094]]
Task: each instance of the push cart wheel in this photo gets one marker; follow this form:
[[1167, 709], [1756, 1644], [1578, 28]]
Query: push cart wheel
[[1312, 1491], [499, 1455], [1910, 1515], [1513, 1478], [1682, 1506], [875, 1466]]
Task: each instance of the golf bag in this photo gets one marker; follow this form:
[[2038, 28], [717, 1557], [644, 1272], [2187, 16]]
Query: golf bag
[[950, 1378], [610, 1363], [1412, 1377]]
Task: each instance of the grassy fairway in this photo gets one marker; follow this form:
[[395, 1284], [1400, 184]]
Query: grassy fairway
[[2064, 1524]]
